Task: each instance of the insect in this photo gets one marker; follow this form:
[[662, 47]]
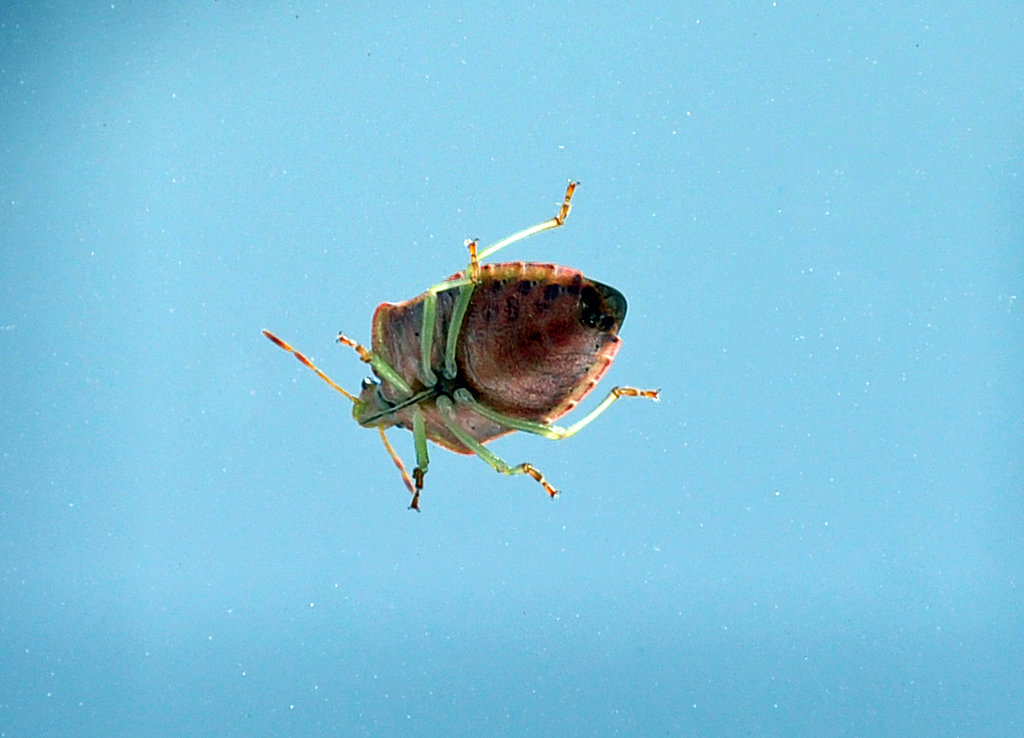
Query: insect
[[491, 350]]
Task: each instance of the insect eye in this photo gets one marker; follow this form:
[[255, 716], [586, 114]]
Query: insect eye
[[368, 382]]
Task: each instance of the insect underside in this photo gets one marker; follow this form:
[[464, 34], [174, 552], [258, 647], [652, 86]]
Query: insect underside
[[495, 349]]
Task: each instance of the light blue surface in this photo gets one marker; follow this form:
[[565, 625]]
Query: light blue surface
[[816, 215]]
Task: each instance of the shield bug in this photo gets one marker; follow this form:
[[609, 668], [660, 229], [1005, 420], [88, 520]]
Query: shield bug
[[493, 349]]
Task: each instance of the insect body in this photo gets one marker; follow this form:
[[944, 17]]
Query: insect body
[[491, 350]]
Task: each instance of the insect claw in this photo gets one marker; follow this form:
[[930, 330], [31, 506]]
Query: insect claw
[[417, 475], [634, 392], [563, 213], [474, 260], [535, 473], [364, 353]]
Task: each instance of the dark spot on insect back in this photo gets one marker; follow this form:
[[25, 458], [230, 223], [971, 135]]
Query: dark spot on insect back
[[511, 308], [551, 292], [525, 287], [602, 307], [614, 302], [591, 314]]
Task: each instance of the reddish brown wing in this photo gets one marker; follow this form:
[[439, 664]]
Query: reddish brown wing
[[396, 335], [396, 338], [537, 338]]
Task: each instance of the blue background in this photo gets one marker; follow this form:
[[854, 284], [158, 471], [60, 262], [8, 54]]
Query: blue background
[[815, 211]]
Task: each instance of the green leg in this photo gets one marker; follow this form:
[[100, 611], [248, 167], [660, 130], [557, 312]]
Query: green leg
[[419, 434], [554, 432], [415, 482], [427, 335], [555, 222], [495, 461], [465, 285], [387, 373], [381, 367], [422, 460], [455, 327], [414, 491], [384, 370]]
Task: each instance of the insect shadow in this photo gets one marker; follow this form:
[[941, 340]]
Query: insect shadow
[[491, 350]]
